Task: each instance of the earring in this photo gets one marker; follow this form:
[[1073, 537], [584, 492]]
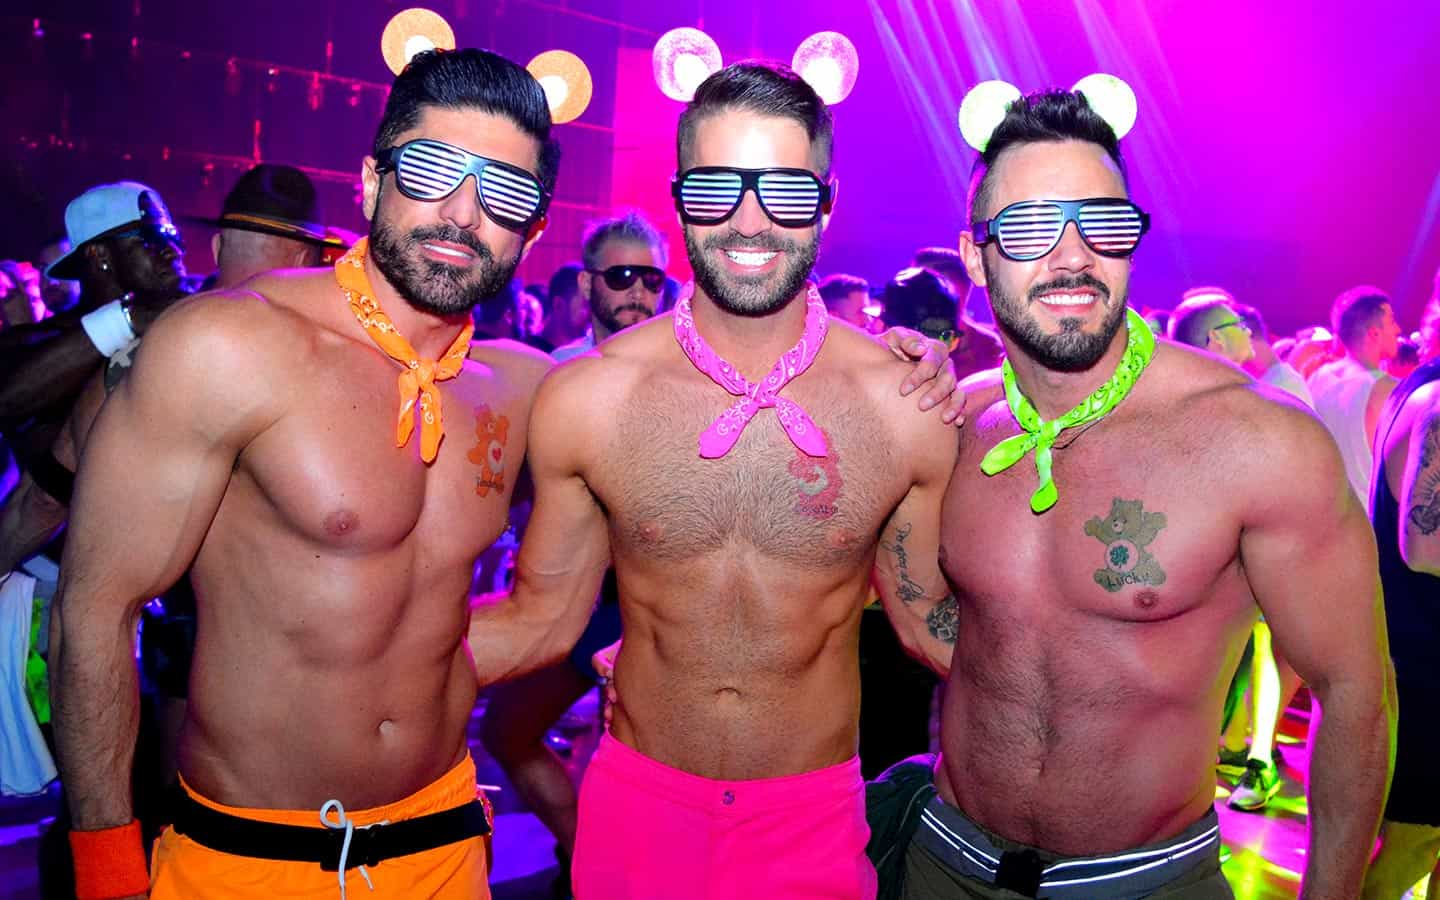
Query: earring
[[104, 267]]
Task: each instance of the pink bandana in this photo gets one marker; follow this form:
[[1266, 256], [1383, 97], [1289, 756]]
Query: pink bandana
[[722, 434]]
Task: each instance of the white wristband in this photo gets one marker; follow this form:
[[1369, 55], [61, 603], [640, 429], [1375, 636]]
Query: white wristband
[[108, 328]]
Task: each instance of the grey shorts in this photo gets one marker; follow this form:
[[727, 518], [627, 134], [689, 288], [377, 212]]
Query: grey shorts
[[951, 856]]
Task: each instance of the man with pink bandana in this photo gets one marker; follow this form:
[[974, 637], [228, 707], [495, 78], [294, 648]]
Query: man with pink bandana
[[778, 458]]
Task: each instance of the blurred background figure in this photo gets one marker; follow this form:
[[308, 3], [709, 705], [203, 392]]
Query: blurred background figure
[[847, 297], [924, 300], [271, 219], [1350, 391]]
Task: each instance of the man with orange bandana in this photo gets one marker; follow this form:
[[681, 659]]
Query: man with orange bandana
[[330, 552]]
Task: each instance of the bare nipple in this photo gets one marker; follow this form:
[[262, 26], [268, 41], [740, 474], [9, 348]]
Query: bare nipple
[[341, 522], [650, 531], [1147, 599], [842, 538]]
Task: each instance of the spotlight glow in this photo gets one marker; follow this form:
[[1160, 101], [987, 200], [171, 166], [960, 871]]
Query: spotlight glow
[[566, 81], [829, 63], [1112, 99], [413, 31], [983, 109], [683, 58]]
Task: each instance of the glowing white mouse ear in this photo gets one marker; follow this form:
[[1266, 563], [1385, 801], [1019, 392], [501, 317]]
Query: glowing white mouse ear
[[983, 109], [1112, 99], [829, 63]]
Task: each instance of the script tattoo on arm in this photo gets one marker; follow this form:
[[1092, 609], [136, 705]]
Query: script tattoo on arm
[[1126, 531], [1425, 516], [908, 589]]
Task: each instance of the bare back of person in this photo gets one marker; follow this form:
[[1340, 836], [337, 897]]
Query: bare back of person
[[332, 580], [742, 578], [1097, 640]]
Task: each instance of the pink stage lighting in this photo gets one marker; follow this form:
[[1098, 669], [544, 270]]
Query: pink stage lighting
[[829, 63], [683, 58]]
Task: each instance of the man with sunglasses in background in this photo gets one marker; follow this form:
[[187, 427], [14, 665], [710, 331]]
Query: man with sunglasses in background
[[127, 257], [925, 300], [738, 459], [624, 263], [1119, 509], [1208, 318]]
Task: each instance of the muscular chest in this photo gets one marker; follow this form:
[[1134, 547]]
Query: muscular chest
[[1143, 531], [331, 470], [764, 496]]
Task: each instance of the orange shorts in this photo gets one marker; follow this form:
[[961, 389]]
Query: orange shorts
[[181, 868]]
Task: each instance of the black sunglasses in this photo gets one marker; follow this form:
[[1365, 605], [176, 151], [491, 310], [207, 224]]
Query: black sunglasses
[[792, 198], [154, 237], [1030, 229], [620, 278], [431, 170]]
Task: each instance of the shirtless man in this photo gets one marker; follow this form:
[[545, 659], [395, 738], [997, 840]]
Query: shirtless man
[[254, 437], [1102, 615], [730, 770]]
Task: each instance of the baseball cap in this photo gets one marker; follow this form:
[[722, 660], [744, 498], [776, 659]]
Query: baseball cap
[[104, 210]]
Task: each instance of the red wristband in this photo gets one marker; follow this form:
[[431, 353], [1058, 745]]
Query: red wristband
[[109, 863]]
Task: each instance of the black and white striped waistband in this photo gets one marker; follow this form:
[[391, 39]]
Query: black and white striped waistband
[[951, 836]]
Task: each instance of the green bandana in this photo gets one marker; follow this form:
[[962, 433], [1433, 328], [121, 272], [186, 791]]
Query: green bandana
[[1039, 435]]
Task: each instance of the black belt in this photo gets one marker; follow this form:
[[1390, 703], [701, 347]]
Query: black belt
[[298, 843]]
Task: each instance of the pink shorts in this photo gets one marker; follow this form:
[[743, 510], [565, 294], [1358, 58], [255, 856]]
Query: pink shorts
[[651, 832]]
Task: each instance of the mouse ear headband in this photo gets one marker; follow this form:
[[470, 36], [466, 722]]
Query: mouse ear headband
[[983, 108]]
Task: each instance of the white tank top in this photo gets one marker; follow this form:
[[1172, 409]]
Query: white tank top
[[1342, 392]]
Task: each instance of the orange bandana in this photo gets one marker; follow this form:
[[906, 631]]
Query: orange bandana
[[417, 379]]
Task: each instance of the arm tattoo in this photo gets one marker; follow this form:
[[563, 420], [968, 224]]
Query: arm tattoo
[[907, 589], [1425, 516], [1126, 531], [944, 620]]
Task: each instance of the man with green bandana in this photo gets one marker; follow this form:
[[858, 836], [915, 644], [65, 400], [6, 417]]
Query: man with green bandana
[[1121, 511]]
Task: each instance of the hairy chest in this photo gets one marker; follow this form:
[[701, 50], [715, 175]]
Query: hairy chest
[[765, 496]]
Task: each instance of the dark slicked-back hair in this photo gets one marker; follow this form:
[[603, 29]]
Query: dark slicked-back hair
[[470, 79], [767, 89], [1041, 117]]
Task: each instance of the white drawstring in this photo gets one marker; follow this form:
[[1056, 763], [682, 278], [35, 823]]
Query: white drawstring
[[349, 828]]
